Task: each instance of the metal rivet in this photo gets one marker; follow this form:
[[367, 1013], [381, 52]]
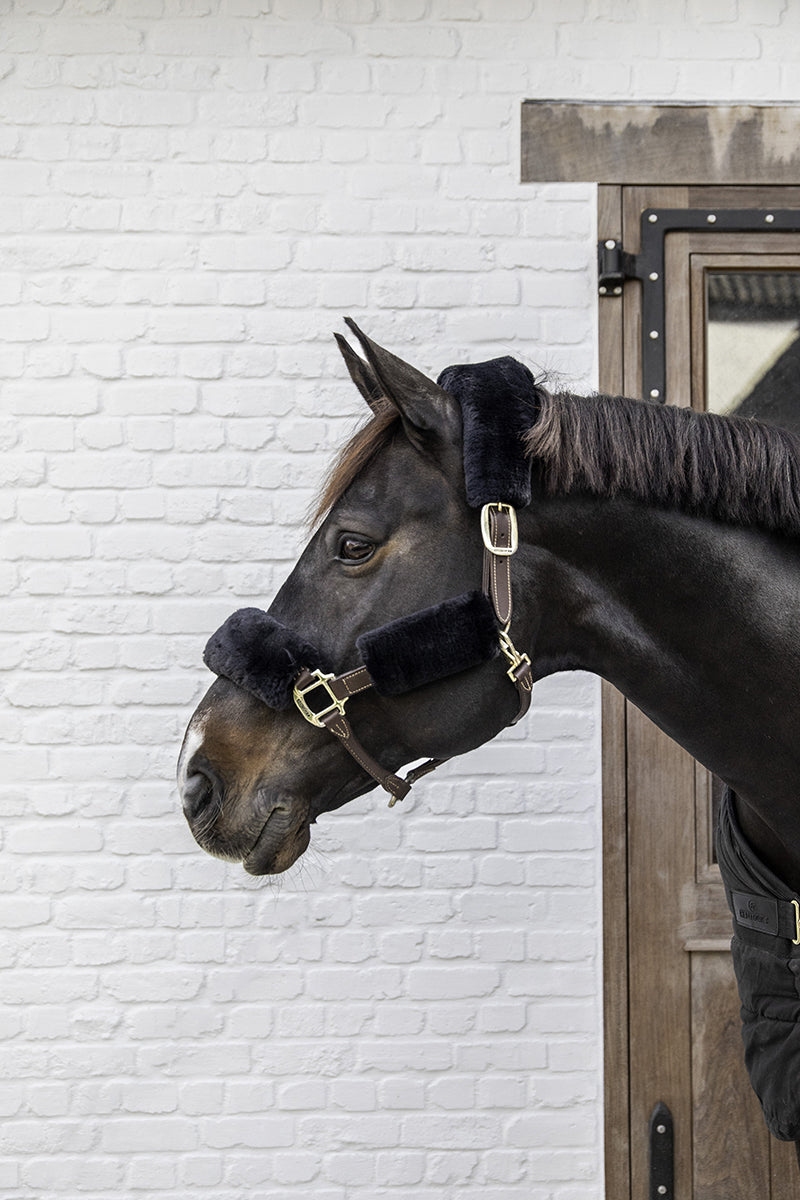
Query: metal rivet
[[653, 275], [661, 1129], [603, 291], [769, 218], [617, 291], [611, 244], [662, 1191], [711, 218], [654, 334], [654, 394], [653, 218]]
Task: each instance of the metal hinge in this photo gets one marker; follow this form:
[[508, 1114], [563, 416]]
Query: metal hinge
[[662, 1154], [614, 266]]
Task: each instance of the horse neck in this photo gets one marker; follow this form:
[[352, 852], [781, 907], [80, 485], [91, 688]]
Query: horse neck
[[689, 618]]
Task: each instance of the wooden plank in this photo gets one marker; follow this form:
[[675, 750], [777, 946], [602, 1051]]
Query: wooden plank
[[615, 834], [610, 308], [615, 945], [724, 196], [660, 143], [731, 1143], [677, 326], [661, 863], [785, 1176]]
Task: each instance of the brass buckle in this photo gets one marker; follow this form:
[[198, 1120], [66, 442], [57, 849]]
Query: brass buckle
[[515, 659], [299, 694], [486, 530], [796, 938]]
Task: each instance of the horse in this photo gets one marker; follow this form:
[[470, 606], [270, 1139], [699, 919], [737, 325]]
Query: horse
[[654, 546]]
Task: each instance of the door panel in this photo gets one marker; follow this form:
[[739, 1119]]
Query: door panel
[[727, 1116], [680, 1010], [660, 785]]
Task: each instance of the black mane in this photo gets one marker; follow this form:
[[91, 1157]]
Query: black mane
[[731, 468]]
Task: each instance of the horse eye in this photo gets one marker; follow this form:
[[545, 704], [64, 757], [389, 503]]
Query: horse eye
[[354, 549]]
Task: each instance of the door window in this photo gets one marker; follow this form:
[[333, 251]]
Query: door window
[[752, 343]]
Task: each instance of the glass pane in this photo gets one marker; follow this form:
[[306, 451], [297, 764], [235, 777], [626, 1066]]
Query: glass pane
[[753, 345]]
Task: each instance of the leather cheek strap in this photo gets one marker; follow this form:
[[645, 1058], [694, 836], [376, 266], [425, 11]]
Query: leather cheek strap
[[497, 562], [499, 542]]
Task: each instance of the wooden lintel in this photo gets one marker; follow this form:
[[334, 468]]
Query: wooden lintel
[[619, 143]]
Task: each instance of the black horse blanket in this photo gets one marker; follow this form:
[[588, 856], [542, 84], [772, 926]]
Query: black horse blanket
[[766, 925]]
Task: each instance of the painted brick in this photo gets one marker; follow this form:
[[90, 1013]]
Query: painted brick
[[195, 195]]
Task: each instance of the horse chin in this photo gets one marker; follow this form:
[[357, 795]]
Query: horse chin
[[267, 842], [276, 849], [282, 841]]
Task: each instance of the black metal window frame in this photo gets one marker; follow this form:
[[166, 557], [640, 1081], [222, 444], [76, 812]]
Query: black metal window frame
[[615, 265]]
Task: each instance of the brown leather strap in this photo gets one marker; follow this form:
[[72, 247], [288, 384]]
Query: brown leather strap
[[497, 567], [522, 678], [341, 687], [424, 769], [339, 725], [351, 683]]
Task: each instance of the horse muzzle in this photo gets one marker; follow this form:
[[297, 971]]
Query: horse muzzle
[[265, 835]]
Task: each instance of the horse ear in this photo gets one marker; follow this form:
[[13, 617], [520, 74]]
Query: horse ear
[[361, 374], [427, 411]]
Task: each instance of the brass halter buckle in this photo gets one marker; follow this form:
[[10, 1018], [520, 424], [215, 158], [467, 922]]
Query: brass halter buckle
[[486, 529], [320, 679], [512, 655]]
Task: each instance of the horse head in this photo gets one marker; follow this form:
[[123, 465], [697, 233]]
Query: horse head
[[398, 538]]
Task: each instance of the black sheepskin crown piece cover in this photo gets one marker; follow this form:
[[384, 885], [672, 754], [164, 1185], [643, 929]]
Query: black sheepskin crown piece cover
[[499, 403]]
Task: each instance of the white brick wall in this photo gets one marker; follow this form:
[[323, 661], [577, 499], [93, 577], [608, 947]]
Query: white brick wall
[[193, 193]]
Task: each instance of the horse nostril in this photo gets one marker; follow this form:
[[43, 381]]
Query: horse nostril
[[198, 793]]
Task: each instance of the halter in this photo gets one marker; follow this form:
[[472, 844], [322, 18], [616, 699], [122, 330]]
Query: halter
[[261, 655]]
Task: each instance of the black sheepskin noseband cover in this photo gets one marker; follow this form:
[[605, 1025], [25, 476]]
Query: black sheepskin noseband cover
[[499, 402], [430, 644], [259, 654]]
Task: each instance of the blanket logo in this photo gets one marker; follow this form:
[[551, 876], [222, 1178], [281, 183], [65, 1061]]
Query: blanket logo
[[756, 912]]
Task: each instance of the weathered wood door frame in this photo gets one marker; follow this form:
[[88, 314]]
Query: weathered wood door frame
[[648, 1017], [615, 145]]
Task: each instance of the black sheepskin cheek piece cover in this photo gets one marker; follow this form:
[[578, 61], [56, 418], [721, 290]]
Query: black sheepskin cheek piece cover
[[259, 654], [499, 403], [431, 644]]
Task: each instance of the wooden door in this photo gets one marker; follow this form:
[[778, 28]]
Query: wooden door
[[672, 1010]]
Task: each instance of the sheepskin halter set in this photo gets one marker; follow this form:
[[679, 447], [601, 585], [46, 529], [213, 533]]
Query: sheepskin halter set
[[255, 651]]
